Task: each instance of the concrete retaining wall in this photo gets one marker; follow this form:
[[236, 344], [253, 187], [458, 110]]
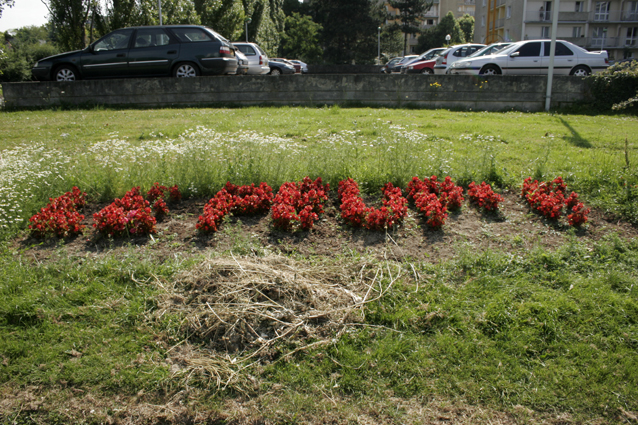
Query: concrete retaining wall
[[491, 93]]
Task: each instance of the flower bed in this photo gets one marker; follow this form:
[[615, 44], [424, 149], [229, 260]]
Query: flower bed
[[60, 217], [433, 198], [131, 214], [241, 200], [483, 196], [548, 199], [157, 197], [355, 212], [299, 202]]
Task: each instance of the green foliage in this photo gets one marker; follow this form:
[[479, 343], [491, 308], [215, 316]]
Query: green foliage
[[5, 3], [410, 14], [301, 39], [616, 87], [225, 16], [467, 26], [349, 30], [267, 23], [435, 36], [72, 21], [22, 50]]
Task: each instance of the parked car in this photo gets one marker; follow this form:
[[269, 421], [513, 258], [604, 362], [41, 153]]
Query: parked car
[[278, 68], [155, 51], [429, 55], [257, 58], [242, 63], [396, 66], [454, 53], [421, 67], [531, 57], [304, 66], [289, 62], [386, 69], [490, 50]]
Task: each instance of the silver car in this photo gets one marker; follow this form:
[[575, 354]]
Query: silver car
[[454, 53], [531, 57], [257, 58]]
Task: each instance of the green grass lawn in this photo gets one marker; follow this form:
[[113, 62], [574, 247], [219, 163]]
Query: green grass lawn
[[527, 337]]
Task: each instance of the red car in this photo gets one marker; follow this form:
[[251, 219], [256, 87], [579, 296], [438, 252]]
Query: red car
[[286, 61], [422, 67]]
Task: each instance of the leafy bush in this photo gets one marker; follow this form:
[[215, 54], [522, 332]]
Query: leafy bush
[[22, 50], [616, 88]]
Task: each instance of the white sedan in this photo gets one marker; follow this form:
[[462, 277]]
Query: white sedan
[[531, 57]]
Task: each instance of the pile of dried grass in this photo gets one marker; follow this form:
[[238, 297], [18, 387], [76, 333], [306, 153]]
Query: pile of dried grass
[[245, 310]]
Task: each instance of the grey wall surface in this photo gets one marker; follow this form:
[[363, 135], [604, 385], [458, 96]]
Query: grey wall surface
[[489, 93]]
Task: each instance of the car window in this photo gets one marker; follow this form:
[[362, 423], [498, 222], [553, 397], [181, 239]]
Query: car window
[[464, 51], [561, 49], [151, 38], [261, 51], [191, 35], [530, 49], [247, 50], [114, 41]]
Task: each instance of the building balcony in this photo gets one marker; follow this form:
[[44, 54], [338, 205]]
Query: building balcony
[[592, 17], [500, 23]]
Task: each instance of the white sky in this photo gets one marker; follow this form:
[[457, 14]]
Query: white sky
[[23, 13]]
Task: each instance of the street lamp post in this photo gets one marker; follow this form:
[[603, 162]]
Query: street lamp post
[[379, 45], [247, 21], [159, 4], [447, 39]]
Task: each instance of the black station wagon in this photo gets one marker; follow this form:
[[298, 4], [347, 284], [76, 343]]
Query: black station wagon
[[157, 51]]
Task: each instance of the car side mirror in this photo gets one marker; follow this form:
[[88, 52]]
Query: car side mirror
[[515, 54]]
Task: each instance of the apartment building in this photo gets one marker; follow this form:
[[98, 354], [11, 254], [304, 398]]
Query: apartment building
[[595, 25], [439, 9]]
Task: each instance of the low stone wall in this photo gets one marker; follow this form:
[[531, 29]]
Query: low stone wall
[[490, 93], [344, 69]]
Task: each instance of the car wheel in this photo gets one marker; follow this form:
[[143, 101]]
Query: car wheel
[[490, 70], [66, 73], [275, 71], [185, 70], [580, 71], [427, 71]]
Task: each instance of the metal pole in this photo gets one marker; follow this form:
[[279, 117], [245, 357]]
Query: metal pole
[[379, 46], [159, 3], [247, 21], [552, 53]]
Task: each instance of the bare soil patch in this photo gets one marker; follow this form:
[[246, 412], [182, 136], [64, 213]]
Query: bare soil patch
[[514, 229]]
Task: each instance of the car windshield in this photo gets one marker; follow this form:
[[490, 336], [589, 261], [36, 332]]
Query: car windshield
[[489, 50]]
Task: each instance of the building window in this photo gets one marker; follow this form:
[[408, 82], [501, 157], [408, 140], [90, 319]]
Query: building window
[[599, 36], [601, 13], [544, 32], [632, 34], [579, 6], [483, 3], [507, 35], [632, 13], [577, 31], [483, 20], [508, 12]]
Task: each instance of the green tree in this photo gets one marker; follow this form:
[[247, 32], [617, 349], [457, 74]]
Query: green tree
[[301, 39], [467, 26], [267, 22], [74, 20], [349, 30], [22, 50], [435, 36], [225, 16], [391, 41], [411, 14]]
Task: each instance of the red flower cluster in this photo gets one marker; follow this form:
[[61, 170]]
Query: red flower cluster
[[244, 200], [249, 200], [483, 196], [434, 198], [60, 217], [302, 202], [355, 212], [548, 198], [130, 214], [157, 196], [215, 211]]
